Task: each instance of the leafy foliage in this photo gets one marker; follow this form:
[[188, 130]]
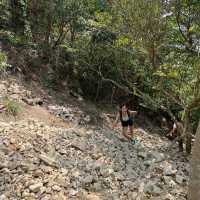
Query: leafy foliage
[[150, 47]]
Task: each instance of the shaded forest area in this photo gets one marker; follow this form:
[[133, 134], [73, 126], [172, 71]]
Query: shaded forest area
[[147, 50]]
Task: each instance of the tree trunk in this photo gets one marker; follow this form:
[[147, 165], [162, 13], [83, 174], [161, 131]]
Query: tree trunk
[[17, 16], [188, 143], [152, 55], [194, 184], [72, 39], [49, 29], [187, 132], [33, 17], [98, 90]]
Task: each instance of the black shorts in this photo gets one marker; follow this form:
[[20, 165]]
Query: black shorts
[[127, 123]]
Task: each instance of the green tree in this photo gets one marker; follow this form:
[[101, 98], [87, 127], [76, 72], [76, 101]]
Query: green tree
[[143, 22], [18, 15]]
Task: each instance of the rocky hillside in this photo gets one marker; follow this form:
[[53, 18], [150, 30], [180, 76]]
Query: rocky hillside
[[52, 152]]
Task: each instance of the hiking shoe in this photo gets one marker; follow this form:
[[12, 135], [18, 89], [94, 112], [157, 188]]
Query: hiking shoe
[[134, 141]]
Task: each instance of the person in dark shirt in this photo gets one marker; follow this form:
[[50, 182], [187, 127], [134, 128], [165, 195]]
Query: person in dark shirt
[[126, 117]]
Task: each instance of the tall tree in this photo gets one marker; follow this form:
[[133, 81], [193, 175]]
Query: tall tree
[[143, 22], [17, 15]]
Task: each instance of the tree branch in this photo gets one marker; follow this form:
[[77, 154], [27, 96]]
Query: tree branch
[[124, 88], [141, 95]]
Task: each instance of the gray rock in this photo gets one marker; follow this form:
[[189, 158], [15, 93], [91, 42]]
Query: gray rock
[[166, 179], [148, 162], [179, 179], [3, 164], [142, 154], [25, 194], [97, 187], [3, 197], [132, 195], [172, 184], [158, 156], [168, 197], [128, 184], [152, 188], [49, 160], [78, 146], [119, 176], [168, 171], [73, 192], [35, 187], [56, 188], [106, 171], [88, 179], [32, 102]]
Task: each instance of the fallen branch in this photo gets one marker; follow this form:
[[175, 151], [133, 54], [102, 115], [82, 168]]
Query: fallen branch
[[126, 89]]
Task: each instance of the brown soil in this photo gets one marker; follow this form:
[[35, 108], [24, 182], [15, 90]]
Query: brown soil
[[38, 113]]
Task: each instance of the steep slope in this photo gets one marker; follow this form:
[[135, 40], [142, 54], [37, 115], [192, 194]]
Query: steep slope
[[44, 157]]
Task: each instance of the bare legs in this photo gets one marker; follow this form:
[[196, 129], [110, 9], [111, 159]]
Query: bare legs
[[131, 130], [125, 132]]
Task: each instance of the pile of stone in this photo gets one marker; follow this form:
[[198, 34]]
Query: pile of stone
[[70, 114], [40, 162], [67, 114], [47, 163]]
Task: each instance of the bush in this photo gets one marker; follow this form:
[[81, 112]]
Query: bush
[[3, 63], [12, 107]]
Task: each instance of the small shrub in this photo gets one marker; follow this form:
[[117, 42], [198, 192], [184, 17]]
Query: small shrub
[[15, 39], [12, 107], [3, 63]]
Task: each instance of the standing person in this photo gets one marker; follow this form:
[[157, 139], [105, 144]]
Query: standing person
[[126, 117], [177, 132]]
